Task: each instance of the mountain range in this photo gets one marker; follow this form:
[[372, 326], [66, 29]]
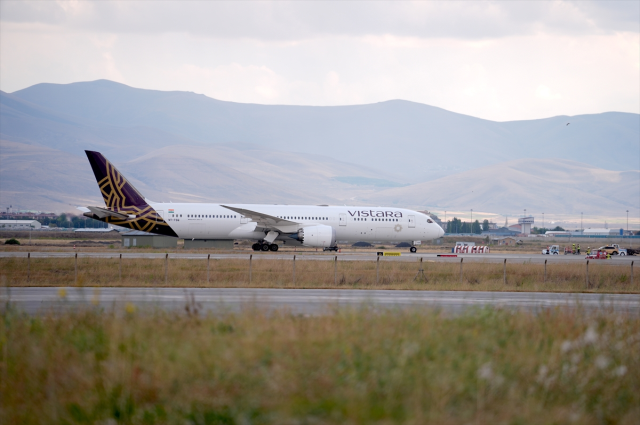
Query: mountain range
[[189, 147]]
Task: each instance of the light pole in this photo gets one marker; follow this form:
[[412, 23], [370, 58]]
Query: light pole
[[472, 220], [580, 223], [543, 220], [628, 223]]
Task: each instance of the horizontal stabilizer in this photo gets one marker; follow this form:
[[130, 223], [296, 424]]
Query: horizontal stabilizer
[[103, 212]]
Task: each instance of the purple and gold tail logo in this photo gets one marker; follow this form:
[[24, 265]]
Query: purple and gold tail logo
[[121, 197]]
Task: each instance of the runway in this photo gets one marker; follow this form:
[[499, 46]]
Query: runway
[[35, 300], [347, 256]]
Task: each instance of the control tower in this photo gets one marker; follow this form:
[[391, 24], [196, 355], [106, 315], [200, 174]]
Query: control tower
[[525, 224]]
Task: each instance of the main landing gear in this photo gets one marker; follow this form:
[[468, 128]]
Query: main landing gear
[[261, 246], [413, 249]]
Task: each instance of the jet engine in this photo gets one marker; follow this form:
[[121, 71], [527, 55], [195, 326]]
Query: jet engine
[[319, 236]]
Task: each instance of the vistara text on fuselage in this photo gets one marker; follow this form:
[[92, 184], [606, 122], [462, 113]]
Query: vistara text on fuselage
[[319, 226]]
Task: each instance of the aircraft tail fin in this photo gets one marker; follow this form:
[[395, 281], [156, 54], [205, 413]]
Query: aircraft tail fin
[[116, 190], [125, 206]]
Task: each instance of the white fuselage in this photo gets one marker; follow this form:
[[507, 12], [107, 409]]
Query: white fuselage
[[367, 224]]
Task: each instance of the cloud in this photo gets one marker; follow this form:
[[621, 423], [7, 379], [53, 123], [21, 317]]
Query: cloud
[[495, 60], [299, 20], [544, 92], [233, 82]]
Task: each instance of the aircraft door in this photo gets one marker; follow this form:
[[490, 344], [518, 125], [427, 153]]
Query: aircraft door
[[412, 221], [343, 219]]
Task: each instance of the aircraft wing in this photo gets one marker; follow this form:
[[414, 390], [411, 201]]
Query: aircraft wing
[[265, 221]]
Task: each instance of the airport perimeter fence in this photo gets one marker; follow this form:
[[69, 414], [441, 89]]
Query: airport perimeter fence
[[261, 271]]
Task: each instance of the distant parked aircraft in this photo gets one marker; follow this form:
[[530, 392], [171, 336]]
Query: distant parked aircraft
[[318, 226]]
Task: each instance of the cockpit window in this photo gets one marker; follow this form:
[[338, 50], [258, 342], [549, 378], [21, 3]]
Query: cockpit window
[[429, 220]]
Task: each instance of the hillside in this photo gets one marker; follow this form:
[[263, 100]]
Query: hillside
[[416, 142], [540, 185], [182, 146], [35, 177]]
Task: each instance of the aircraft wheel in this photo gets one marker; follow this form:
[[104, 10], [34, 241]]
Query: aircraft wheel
[[256, 246], [265, 247], [413, 249], [273, 247]]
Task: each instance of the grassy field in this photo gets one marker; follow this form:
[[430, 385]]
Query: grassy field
[[351, 366], [389, 274]]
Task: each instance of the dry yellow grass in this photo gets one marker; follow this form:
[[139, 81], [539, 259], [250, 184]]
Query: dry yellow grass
[[355, 366], [315, 274]]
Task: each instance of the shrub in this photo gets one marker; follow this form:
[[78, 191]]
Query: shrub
[[12, 241]]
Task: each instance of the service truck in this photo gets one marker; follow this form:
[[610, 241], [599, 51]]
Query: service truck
[[551, 250]]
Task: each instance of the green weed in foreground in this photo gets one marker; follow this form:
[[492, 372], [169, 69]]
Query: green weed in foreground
[[350, 366]]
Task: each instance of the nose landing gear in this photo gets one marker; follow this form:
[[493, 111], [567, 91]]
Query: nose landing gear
[[413, 249]]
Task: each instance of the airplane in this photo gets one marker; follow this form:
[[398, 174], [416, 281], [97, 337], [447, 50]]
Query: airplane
[[319, 226]]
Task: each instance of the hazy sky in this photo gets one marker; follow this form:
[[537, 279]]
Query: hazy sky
[[496, 60]]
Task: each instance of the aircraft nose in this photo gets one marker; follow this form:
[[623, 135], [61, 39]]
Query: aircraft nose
[[440, 232]]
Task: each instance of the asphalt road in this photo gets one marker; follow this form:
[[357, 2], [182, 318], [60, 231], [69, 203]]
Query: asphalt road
[[347, 256], [305, 301]]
